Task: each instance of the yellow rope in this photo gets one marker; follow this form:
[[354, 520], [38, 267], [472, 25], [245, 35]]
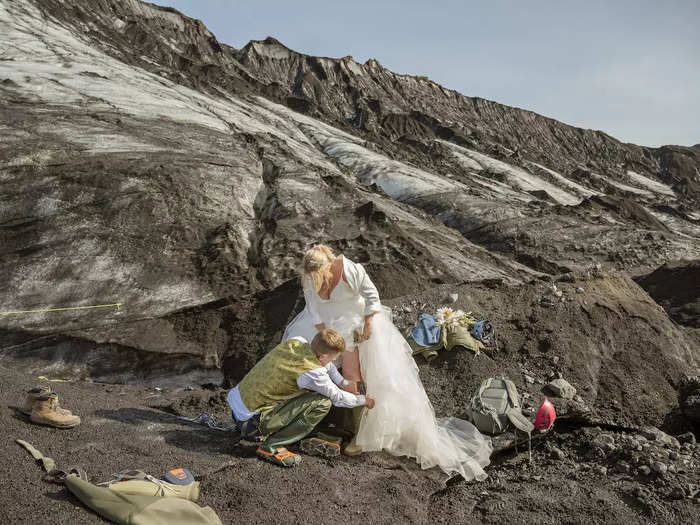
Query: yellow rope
[[62, 309]]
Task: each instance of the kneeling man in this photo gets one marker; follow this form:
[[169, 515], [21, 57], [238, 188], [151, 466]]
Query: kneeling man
[[288, 392]]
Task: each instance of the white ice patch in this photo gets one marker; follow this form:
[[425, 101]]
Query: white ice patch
[[624, 187], [566, 182], [398, 180], [655, 186], [275, 51], [517, 178]]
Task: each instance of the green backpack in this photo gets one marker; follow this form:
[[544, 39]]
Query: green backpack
[[495, 408]]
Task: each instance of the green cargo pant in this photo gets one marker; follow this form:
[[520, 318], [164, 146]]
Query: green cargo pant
[[292, 420]]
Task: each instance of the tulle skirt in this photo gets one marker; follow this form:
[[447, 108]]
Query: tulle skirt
[[403, 421]]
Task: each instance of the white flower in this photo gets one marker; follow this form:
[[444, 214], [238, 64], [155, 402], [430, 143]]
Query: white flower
[[444, 315]]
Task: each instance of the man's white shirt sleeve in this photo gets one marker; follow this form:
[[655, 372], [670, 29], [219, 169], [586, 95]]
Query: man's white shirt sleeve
[[323, 380]]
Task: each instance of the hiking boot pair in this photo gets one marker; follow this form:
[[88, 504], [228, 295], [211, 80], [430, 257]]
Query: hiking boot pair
[[315, 446], [43, 408]]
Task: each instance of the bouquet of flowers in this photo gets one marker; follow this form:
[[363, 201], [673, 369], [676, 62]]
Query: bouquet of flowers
[[448, 317]]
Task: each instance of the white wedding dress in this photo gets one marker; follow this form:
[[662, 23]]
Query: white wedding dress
[[403, 421]]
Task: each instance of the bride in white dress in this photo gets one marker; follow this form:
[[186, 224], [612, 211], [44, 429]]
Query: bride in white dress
[[340, 295]]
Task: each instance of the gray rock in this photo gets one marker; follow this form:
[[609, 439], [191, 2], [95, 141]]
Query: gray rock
[[546, 302], [659, 468], [594, 453], [659, 436], [677, 493], [453, 297], [605, 439], [579, 290], [562, 388], [644, 470], [622, 467], [557, 453], [673, 456], [529, 379], [688, 437]]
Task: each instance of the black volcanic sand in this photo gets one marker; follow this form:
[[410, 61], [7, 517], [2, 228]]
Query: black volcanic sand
[[130, 426]]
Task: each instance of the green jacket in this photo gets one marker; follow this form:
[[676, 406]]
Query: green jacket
[[450, 336], [137, 509], [274, 377]]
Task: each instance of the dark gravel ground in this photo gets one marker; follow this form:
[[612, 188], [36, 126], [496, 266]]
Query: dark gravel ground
[[127, 427]]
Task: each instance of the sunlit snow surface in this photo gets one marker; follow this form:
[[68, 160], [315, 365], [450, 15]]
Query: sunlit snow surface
[[516, 177], [655, 186]]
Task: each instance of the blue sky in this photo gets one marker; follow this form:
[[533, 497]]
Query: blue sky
[[629, 68]]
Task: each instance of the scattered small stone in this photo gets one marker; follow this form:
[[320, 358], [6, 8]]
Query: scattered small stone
[[562, 388], [453, 297], [555, 359], [605, 439], [578, 398], [673, 455], [594, 453], [688, 437], [677, 493], [529, 379], [655, 434], [601, 470], [579, 290], [659, 468], [557, 453], [407, 309], [622, 467], [644, 470], [546, 302]]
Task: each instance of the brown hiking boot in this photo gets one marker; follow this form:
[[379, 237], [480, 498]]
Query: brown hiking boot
[[47, 412], [32, 395]]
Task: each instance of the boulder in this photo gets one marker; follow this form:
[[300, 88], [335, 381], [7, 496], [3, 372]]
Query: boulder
[[561, 388]]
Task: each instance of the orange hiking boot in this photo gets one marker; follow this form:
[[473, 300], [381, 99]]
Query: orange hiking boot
[[46, 411], [316, 446], [282, 457], [32, 395]]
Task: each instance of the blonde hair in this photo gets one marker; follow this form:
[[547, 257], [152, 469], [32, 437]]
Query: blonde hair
[[315, 265], [328, 341]]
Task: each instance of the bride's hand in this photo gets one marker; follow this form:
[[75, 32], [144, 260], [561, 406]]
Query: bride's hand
[[366, 330]]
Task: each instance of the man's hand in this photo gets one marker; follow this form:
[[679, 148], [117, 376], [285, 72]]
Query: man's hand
[[369, 402], [351, 386]]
